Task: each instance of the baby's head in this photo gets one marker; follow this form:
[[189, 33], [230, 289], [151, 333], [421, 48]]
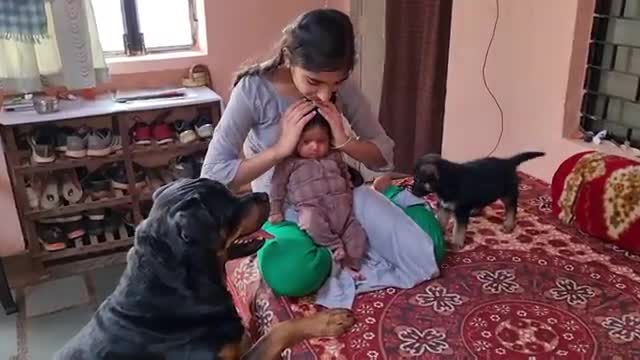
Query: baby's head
[[315, 138]]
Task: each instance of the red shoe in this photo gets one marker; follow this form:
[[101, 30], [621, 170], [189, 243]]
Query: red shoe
[[161, 132], [140, 133]]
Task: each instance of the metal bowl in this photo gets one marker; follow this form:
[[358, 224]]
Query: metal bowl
[[46, 104]]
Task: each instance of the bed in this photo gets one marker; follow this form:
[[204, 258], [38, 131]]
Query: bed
[[543, 292]]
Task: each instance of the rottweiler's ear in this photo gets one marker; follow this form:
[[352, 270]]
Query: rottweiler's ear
[[191, 219]]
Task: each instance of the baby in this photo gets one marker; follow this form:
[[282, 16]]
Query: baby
[[317, 184]]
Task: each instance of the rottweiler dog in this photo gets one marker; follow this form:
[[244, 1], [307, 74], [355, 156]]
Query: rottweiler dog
[[172, 301], [466, 187]]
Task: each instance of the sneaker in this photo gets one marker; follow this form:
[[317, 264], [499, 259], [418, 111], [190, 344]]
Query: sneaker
[[203, 126], [161, 132], [185, 131], [99, 143], [94, 227], [52, 238], [113, 222], [61, 138], [74, 230], [140, 133], [116, 143], [118, 175], [95, 214], [76, 146], [61, 219], [98, 185], [42, 143], [70, 186]]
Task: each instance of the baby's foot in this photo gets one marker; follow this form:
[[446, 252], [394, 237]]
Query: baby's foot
[[381, 183]]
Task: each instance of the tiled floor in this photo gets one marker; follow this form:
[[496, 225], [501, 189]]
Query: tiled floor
[[53, 312]]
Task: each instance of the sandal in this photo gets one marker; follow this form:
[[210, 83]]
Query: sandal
[[52, 238]]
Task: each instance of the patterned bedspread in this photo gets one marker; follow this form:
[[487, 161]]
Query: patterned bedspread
[[543, 292]]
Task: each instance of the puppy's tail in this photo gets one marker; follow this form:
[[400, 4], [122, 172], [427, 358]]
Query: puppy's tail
[[525, 156]]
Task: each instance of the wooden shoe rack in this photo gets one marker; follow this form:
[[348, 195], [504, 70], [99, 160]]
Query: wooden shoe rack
[[95, 251]]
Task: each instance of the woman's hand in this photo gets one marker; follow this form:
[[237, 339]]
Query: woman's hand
[[333, 116], [292, 122]]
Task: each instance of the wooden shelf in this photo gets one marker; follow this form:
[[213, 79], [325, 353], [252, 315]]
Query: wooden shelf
[[61, 163], [107, 241], [96, 251], [175, 148], [87, 204]]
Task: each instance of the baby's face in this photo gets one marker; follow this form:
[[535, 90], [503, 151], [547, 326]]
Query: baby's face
[[314, 143]]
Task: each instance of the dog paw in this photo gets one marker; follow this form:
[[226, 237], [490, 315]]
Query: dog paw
[[331, 323], [455, 247], [508, 228]]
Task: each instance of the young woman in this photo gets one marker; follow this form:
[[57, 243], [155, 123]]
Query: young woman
[[270, 104]]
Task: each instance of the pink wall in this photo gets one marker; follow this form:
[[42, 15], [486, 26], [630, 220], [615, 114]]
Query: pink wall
[[236, 31], [535, 69]]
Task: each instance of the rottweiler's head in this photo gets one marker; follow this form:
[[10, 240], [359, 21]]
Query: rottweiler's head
[[427, 175], [203, 216]]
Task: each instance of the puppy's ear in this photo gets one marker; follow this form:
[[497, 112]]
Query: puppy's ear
[[192, 220]]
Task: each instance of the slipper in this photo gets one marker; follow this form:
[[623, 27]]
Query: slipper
[[71, 189], [49, 197]]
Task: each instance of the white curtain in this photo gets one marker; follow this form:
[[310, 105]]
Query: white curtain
[[71, 56]]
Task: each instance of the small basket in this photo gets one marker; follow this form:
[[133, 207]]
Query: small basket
[[199, 75]]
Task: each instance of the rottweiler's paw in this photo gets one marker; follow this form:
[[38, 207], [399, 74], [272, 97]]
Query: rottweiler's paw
[[331, 323]]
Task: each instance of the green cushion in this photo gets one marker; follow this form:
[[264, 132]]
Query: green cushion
[[291, 263], [427, 221]]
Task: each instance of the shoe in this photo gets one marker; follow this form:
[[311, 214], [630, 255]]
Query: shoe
[[42, 143], [113, 222], [161, 132], [116, 143], [77, 142], [99, 143], [52, 238], [70, 186], [185, 131], [94, 227], [33, 194], [74, 230], [118, 175], [140, 133], [98, 185], [50, 195], [203, 126], [95, 214], [61, 138], [61, 219]]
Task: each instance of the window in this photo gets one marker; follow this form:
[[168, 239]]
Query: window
[[136, 27], [612, 86]]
